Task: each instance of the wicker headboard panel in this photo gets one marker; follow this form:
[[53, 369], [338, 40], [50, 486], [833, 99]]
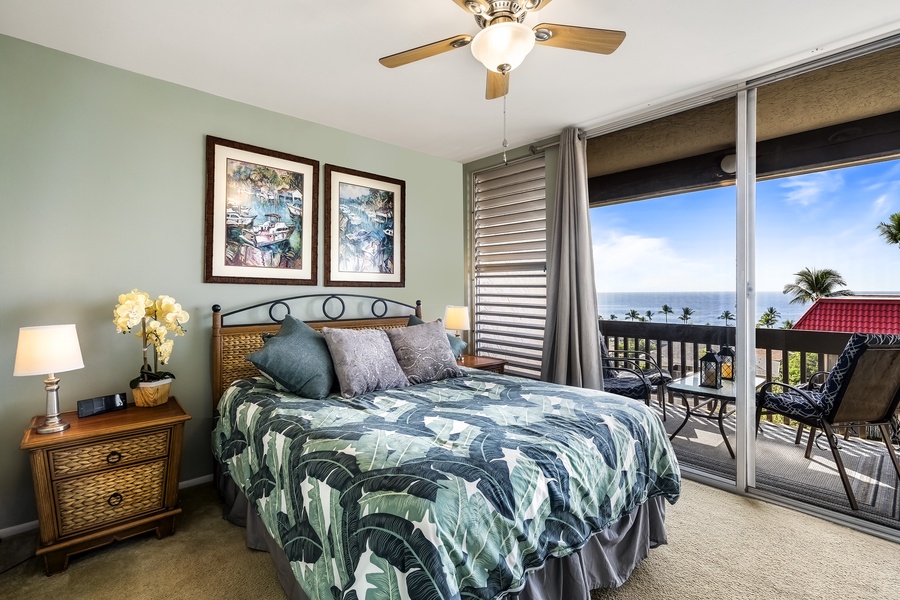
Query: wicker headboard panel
[[232, 343]]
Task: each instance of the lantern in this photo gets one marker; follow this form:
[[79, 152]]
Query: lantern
[[726, 353], [711, 369]]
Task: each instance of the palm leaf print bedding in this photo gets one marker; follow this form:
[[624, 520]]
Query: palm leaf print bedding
[[451, 489]]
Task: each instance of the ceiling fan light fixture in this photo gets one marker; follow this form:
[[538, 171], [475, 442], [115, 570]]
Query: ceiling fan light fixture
[[502, 47]]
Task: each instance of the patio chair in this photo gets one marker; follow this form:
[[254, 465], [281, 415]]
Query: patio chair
[[863, 389], [633, 374]]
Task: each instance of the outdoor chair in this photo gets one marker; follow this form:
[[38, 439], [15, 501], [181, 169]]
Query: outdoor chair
[[633, 374], [863, 389]]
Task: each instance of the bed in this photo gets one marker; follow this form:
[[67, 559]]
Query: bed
[[471, 485]]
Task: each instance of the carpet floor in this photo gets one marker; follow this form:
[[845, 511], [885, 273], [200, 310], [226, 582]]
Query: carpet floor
[[721, 546]]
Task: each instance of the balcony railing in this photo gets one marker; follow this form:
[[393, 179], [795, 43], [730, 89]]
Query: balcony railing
[[678, 348]]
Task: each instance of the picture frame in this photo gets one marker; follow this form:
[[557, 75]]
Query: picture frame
[[365, 229], [261, 215]]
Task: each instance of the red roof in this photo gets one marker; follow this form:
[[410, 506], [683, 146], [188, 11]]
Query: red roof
[[853, 314]]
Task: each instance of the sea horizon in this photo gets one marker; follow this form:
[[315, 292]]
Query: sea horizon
[[707, 306]]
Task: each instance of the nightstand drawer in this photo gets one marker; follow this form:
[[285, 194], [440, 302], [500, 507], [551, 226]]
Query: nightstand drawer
[[107, 496], [106, 455]]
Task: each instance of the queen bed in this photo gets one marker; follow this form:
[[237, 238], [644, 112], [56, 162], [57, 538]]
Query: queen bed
[[442, 482]]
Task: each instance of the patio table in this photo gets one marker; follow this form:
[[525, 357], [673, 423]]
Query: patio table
[[724, 395]]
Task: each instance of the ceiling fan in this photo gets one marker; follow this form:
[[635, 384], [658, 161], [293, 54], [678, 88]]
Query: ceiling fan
[[504, 42]]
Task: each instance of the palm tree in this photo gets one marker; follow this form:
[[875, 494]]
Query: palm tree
[[770, 317], [812, 284], [667, 310], [648, 316], [787, 324], [633, 315], [686, 313], [890, 231], [613, 317], [727, 315]]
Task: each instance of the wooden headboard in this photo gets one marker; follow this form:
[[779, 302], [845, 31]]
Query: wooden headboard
[[232, 343]]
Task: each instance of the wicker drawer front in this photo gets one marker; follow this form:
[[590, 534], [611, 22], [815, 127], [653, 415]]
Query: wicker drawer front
[[107, 496], [83, 459]]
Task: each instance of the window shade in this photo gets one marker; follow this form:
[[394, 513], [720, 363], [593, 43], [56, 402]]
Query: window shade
[[510, 258]]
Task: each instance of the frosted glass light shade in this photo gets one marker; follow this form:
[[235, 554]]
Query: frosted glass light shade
[[503, 44], [47, 349], [456, 317]]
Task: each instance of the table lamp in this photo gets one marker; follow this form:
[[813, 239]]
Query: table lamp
[[47, 350], [456, 317]]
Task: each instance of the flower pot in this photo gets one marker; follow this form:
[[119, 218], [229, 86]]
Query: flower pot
[[152, 393]]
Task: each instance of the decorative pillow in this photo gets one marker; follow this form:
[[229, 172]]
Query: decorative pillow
[[423, 352], [297, 359], [363, 361], [457, 345]]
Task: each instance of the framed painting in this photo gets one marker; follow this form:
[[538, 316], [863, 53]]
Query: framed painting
[[261, 215], [364, 229]]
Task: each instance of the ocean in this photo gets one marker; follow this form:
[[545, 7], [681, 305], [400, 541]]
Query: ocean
[[707, 305]]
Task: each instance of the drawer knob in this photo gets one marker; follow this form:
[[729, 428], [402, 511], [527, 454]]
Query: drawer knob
[[113, 457], [115, 499]]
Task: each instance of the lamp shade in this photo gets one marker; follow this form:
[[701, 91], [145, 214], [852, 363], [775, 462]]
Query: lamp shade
[[456, 317], [503, 47], [47, 349]]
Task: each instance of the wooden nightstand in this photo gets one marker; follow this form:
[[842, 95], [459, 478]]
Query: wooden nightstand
[[484, 363], [106, 478]]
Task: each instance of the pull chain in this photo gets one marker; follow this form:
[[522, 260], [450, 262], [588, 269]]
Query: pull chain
[[505, 143]]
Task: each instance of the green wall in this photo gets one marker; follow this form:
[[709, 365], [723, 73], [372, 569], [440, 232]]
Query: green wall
[[102, 182]]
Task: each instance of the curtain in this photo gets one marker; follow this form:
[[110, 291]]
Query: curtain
[[571, 337]]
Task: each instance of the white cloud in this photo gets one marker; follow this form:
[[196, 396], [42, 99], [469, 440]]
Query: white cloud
[[627, 262], [809, 189]]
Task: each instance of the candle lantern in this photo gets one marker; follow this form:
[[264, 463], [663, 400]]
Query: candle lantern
[[726, 353], [711, 369]]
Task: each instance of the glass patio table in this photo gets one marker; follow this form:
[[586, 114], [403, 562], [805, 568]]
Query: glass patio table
[[690, 386]]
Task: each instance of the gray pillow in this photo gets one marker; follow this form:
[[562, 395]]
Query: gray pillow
[[363, 361], [297, 359], [457, 345], [423, 352]]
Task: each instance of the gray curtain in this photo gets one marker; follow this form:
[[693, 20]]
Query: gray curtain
[[571, 336]]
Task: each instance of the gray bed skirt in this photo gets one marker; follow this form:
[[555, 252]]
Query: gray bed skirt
[[607, 560]]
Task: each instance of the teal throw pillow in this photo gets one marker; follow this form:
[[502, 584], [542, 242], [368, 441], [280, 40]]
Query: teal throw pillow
[[297, 358]]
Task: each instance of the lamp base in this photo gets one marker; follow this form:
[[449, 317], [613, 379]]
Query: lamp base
[[52, 425]]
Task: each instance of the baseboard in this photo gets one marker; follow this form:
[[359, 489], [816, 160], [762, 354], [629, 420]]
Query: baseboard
[[195, 482], [17, 529]]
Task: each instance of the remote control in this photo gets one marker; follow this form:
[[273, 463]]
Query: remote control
[[101, 404]]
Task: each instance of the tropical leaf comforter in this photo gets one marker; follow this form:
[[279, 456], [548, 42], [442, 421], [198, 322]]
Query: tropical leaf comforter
[[452, 489]]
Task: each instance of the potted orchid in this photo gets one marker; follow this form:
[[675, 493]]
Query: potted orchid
[[157, 319]]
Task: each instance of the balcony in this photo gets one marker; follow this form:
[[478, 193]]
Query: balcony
[[785, 355]]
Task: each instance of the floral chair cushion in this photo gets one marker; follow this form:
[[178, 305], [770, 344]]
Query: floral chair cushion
[[822, 404]]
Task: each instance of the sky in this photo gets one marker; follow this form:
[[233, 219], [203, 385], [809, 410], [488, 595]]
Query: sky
[[818, 220]]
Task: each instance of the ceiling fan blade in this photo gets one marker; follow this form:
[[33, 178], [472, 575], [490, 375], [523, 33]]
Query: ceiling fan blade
[[408, 56], [586, 39], [476, 7], [497, 85]]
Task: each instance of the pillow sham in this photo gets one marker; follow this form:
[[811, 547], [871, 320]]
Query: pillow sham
[[423, 352], [297, 359], [456, 344], [363, 361]]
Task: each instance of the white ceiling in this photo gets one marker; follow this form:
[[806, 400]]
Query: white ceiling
[[318, 60]]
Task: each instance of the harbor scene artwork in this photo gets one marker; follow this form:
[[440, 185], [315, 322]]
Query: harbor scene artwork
[[263, 216], [364, 228], [261, 211]]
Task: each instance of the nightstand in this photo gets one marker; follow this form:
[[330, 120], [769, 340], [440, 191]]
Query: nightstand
[[483, 363], [108, 477]]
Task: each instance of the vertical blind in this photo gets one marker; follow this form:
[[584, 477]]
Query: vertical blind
[[510, 258]]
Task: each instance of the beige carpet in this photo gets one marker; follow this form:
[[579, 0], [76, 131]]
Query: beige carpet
[[720, 546]]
